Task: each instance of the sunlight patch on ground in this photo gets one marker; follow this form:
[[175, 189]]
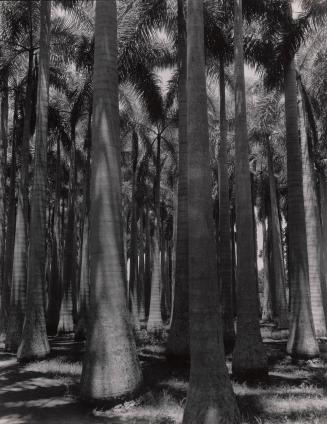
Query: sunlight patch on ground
[[40, 403], [55, 367], [14, 419]]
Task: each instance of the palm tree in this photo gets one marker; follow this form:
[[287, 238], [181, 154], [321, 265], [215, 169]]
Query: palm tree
[[210, 397], [178, 341], [110, 368], [249, 357], [34, 342]]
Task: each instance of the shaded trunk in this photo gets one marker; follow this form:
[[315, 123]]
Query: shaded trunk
[[3, 203], [267, 311], [179, 339], [210, 398], [155, 320], [280, 307], [19, 277], [54, 294], [224, 240], [302, 340], [111, 368], [34, 342], [249, 357], [133, 278], [141, 272], [148, 262]]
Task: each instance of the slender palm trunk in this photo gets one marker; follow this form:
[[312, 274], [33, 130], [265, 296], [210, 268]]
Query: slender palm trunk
[[11, 220], [34, 342], [3, 202], [249, 357], [141, 271], [179, 339], [302, 340], [313, 228], [155, 320], [133, 277], [147, 262], [279, 284], [267, 311], [210, 398], [224, 244], [54, 294], [110, 368]]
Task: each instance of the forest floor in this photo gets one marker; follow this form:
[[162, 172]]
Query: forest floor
[[47, 391]]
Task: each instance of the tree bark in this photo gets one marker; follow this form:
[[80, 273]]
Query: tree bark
[[110, 368], [210, 398], [249, 357], [34, 342]]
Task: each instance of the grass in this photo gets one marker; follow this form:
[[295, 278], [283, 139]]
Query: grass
[[296, 393]]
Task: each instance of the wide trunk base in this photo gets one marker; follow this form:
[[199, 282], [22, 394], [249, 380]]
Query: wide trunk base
[[15, 329]]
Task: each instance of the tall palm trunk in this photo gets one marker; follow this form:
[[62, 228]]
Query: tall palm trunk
[[279, 285], [147, 262], [19, 277], [210, 398], [179, 338], [11, 219], [110, 368], [302, 340], [225, 247], [249, 357], [34, 342], [3, 201], [313, 228], [54, 294], [155, 320], [133, 277], [141, 271], [267, 310]]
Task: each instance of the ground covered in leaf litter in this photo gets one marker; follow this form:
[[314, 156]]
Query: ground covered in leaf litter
[[47, 391]]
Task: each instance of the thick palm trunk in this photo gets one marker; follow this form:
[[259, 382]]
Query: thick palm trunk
[[179, 339], [279, 283], [19, 277], [110, 368], [210, 397], [249, 357], [155, 319], [3, 202], [302, 340], [34, 342], [224, 244], [313, 228]]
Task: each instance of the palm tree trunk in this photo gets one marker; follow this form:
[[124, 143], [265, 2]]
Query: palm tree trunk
[[267, 311], [110, 368], [225, 248], [302, 340], [279, 286], [147, 262], [179, 339], [34, 342], [210, 398], [54, 294], [19, 277], [249, 357], [133, 277], [155, 320], [11, 219], [313, 228], [141, 272], [3, 202]]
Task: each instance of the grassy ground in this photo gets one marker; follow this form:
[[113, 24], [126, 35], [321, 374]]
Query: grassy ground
[[46, 391]]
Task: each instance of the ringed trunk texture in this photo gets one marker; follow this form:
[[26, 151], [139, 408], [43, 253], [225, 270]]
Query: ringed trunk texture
[[210, 398], [302, 341], [110, 368], [280, 303], [313, 228], [179, 339], [34, 342], [249, 357]]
